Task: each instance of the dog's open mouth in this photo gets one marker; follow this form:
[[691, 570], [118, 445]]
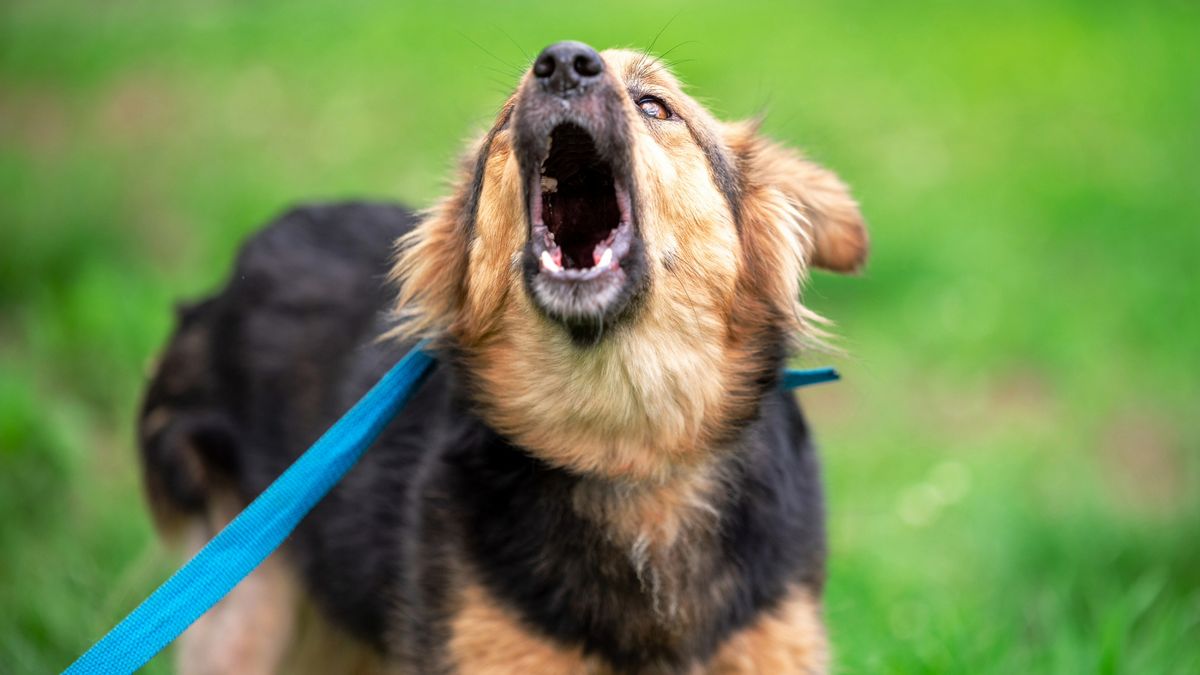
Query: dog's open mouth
[[580, 210]]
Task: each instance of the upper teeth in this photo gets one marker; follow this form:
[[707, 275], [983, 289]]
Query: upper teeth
[[549, 184]]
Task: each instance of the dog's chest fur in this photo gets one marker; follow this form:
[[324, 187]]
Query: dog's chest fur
[[650, 582]]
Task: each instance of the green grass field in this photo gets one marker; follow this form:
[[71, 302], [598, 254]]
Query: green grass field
[[1012, 457]]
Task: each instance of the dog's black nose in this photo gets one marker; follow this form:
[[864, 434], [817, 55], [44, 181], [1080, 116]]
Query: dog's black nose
[[564, 67]]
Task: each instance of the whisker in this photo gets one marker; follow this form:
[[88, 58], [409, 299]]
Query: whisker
[[661, 31], [485, 51], [646, 52], [506, 73], [663, 56], [528, 58]]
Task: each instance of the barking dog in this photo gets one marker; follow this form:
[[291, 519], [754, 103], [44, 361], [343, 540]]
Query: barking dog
[[601, 476]]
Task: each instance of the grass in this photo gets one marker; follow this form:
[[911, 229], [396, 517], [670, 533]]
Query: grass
[[1012, 457]]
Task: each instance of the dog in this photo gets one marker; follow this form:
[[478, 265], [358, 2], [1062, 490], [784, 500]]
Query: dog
[[600, 476]]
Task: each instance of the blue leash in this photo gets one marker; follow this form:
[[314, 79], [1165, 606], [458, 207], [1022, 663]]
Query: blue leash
[[794, 379], [258, 530]]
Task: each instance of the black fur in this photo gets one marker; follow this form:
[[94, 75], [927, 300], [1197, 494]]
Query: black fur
[[566, 576], [256, 373], [722, 168]]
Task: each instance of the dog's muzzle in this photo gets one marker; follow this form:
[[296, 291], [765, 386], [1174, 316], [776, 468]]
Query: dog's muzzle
[[584, 262]]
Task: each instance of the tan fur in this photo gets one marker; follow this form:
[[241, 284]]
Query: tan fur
[[667, 531], [431, 295], [657, 513], [788, 641], [486, 639]]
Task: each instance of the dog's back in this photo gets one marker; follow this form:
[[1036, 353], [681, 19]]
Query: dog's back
[[255, 374]]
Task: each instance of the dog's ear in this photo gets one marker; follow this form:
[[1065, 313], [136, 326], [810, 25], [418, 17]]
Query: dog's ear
[[430, 269], [432, 259], [778, 182]]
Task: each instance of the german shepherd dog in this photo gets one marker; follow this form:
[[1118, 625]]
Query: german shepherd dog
[[600, 476]]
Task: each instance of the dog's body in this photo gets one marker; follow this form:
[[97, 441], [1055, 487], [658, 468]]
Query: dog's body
[[623, 490]]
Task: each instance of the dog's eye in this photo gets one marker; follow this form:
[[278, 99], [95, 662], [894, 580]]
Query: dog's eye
[[654, 107]]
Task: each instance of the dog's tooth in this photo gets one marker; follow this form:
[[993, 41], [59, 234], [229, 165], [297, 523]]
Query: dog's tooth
[[548, 262], [549, 184], [605, 258]]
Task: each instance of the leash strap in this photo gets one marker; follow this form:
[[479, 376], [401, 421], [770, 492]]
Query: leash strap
[[794, 379], [258, 530]]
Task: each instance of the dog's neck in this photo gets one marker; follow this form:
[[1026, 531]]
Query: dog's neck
[[654, 545], [649, 404]]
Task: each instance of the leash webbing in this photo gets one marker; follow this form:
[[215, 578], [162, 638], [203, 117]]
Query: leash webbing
[[794, 379], [258, 530]]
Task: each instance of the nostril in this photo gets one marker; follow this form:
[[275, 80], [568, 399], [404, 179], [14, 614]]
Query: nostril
[[544, 66], [588, 65], [567, 68]]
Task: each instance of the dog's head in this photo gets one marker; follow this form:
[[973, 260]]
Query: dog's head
[[620, 272]]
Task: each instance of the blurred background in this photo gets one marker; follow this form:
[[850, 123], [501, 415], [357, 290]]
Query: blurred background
[[1012, 456]]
